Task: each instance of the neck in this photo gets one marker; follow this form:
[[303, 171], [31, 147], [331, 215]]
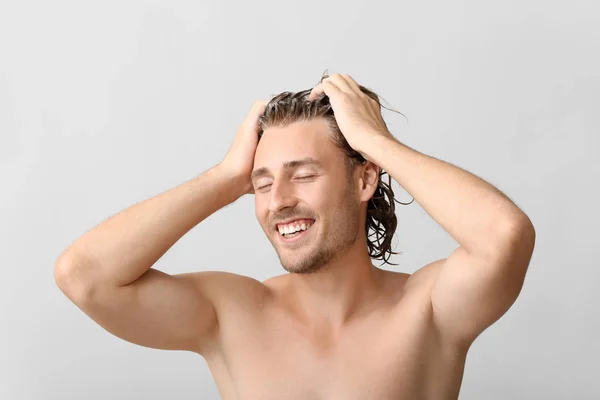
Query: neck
[[330, 297]]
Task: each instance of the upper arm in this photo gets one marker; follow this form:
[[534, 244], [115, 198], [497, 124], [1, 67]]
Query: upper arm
[[471, 292], [158, 310]]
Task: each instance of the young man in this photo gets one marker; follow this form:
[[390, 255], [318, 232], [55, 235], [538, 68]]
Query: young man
[[334, 326]]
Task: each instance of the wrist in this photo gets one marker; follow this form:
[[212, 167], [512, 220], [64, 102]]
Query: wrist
[[238, 184], [376, 145]]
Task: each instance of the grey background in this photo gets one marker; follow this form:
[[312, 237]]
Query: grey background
[[104, 104]]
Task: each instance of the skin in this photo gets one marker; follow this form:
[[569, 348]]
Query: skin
[[334, 257], [335, 326]]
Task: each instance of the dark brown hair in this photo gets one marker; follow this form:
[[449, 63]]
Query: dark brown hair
[[288, 107]]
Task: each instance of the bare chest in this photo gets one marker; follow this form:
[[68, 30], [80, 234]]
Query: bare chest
[[383, 356]]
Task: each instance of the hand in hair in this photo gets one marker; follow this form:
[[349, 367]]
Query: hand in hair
[[239, 160], [357, 114]]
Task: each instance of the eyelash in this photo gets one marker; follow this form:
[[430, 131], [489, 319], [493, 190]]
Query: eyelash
[[301, 177]]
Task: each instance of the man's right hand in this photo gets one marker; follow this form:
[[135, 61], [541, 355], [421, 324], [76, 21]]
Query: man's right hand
[[239, 160]]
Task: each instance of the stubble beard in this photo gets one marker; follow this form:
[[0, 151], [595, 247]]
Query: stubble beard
[[316, 255]]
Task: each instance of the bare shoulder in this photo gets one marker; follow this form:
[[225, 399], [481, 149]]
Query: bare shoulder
[[276, 282], [222, 286], [230, 293], [421, 280], [413, 291], [424, 278]]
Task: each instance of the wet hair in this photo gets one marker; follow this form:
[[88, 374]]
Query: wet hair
[[289, 107]]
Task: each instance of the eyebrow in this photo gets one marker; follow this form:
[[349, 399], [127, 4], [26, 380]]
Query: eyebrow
[[287, 166]]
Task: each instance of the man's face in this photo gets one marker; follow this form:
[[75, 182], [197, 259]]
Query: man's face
[[319, 192]]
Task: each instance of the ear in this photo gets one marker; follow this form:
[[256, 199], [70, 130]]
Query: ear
[[368, 180]]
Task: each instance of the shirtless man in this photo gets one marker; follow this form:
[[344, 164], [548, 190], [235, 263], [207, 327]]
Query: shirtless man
[[335, 327]]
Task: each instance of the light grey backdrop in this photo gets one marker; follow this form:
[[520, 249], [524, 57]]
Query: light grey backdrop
[[104, 104]]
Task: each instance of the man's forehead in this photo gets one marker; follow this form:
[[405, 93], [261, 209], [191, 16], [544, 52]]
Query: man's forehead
[[291, 164]]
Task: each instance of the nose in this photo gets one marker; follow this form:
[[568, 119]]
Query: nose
[[281, 195]]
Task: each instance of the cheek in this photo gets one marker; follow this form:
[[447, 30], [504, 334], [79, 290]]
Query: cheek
[[260, 211]]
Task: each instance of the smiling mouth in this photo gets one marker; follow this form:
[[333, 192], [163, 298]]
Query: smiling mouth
[[296, 235]]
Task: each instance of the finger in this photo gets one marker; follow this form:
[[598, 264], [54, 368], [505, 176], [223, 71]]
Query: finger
[[259, 107], [353, 84], [255, 113], [341, 82], [327, 87], [261, 104]]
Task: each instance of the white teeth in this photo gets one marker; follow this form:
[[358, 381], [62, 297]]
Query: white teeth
[[293, 228]]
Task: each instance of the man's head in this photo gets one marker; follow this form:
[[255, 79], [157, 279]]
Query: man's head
[[305, 169]]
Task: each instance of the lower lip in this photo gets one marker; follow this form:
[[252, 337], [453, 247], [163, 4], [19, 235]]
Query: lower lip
[[297, 237]]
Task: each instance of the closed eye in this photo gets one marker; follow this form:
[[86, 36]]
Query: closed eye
[[300, 177]]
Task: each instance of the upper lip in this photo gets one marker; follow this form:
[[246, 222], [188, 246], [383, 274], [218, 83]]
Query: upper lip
[[289, 220]]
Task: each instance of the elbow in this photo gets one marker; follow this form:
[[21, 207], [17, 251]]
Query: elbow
[[520, 242], [68, 271], [514, 239], [64, 266], [521, 233]]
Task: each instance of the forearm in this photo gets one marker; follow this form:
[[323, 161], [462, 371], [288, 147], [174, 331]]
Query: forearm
[[476, 214], [125, 246]]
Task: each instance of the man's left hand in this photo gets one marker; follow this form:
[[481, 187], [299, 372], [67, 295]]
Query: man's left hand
[[357, 115]]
